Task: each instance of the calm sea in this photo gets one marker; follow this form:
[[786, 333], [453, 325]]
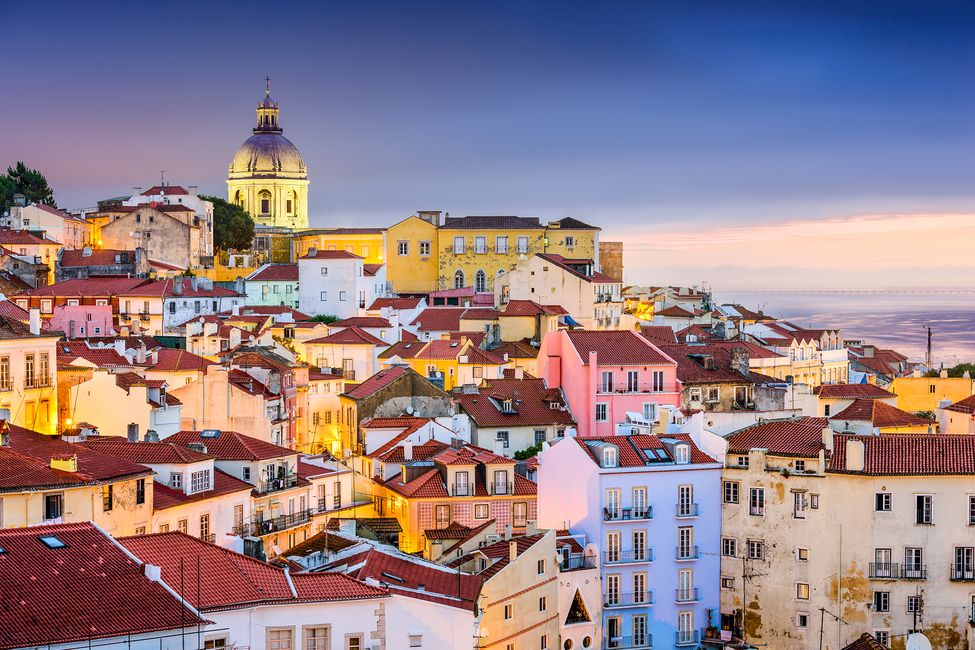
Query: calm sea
[[897, 320]]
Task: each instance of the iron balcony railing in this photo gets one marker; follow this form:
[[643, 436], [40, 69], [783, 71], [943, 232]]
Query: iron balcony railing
[[628, 514], [628, 557], [961, 572], [635, 599], [687, 637], [211, 538], [686, 552], [685, 510], [277, 483], [6, 384], [626, 642], [630, 389], [37, 381], [257, 526], [688, 595], [574, 562], [884, 570], [914, 572]]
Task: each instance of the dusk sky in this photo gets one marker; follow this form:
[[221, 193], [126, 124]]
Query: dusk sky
[[713, 138]]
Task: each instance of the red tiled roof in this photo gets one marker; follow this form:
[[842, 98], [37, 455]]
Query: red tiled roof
[[865, 642], [616, 348], [348, 336], [407, 425], [375, 383], [394, 453], [563, 263], [73, 257], [480, 313], [673, 312], [272, 310], [112, 596], [330, 255], [230, 445], [169, 190], [147, 453], [362, 321], [310, 471], [275, 273], [13, 237], [908, 454], [966, 405], [164, 497], [429, 485], [452, 531], [174, 360], [516, 350], [155, 205], [632, 449], [852, 391], [403, 350], [658, 334], [532, 403], [691, 370], [107, 357], [10, 309], [321, 586], [93, 465], [531, 308], [439, 319], [879, 414], [802, 437], [875, 364], [101, 286], [504, 222], [395, 303], [371, 269], [19, 472], [500, 552], [165, 289]]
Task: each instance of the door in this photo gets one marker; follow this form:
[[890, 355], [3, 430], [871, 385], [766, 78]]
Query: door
[[613, 543], [964, 568], [614, 630], [882, 559]]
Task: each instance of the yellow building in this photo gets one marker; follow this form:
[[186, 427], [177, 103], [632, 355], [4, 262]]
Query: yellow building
[[367, 243], [267, 176], [426, 255], [925, 393], [454, 361], [28, 381], [42, 249], [411, 264]]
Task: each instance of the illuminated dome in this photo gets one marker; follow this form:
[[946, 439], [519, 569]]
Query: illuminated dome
[[267, 154]]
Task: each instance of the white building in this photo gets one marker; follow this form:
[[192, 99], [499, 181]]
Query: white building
[[337, 283], [178, 195]]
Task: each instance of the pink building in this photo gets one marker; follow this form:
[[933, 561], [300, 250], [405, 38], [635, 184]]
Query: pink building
[[606, 374], [82, 321]]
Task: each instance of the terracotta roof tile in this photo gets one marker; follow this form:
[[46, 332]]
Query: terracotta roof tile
[[395, 303], [439, 319], [348, 336], [93, 465], [330, 255], [275, 273], [491, 223], [852, 391], [146, 453], [801, 437], [879, 414], [633, 449], [361, 321], [230, 445], [616, 347], [908, 454], [164, 497], [375, 383], [658, 334], [966, 405], [532, 403]]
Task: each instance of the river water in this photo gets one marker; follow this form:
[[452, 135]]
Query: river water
[[896, 320]]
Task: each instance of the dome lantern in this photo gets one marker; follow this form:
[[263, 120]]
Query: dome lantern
[[267, 112]]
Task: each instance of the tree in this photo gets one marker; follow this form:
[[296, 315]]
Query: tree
[[956, 371], [233, 227], [325, 318], [29, 182]]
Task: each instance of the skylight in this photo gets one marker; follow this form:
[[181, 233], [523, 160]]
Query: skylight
[[52, 541]]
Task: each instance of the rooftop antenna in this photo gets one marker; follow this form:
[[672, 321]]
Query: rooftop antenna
[[927, 359], [267, 86], [162, 177]]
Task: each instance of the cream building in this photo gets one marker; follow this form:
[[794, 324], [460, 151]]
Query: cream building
[[874, 529], [267, 176]]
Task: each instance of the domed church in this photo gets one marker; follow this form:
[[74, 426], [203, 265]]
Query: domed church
[[267, 176]]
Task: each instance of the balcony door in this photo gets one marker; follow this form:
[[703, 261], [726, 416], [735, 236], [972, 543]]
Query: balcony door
[[964, 563]]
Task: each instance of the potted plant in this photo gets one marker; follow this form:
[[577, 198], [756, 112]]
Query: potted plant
[[711, 632]]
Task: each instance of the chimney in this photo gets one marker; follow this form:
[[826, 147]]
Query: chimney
[[519, 373], [312, 252], [65, 462], [235, 310], [153, 572], [868, 350], [35, 321], [457, 443], [178, 286], [407, 450], [234, 337], [140, 354], [194, 283], [828, 439], [132, 433], [942, 374], [512, 551], [854, 455], [739, 360], [154, 356], [152, 436]]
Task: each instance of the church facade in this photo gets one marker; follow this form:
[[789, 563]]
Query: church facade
[[267, 176]]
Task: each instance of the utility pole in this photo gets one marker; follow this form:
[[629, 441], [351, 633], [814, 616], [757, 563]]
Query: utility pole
[[822, 628]]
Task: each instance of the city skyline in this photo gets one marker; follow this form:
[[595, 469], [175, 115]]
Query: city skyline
[[836, 122]]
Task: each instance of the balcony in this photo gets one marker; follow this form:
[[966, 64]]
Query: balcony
[[628, 514], [686, 553], [914, 572], [257, 527], [573, 562], [6, 384], [276, 484], [501, 488], [639, 599], [687, 510], [884, 571], [625, 642], [37, 381], [688, 595], [210, 539], [687, 638], [638, 388], [628, 557], [961, 573]]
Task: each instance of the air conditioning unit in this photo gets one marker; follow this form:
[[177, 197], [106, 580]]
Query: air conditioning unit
[[492, 537]]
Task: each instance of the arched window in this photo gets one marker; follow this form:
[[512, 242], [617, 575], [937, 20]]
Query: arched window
[[459, 279], [264, 200], [291, 205], [239, 198], [480, 282]]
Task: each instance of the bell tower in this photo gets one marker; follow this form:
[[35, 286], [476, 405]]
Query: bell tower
[[267, 112]]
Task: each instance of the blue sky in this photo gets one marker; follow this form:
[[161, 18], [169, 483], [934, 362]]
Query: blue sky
[[643, 117]]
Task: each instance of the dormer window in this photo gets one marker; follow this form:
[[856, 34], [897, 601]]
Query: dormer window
[[682, 454], [609, 457]]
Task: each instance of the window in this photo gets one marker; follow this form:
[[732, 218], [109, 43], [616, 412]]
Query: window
[[140, 491], [685, 543], [800, 466], [756, 549], [802, 590], [542, 602], [924, 509], [502, 439], [714, 394], [657, 381], [53, 505], [442, 516], [570, 242], [176, 481], [424, 247], [245, 473], [682, 454], [323, 296], [480, 511], [802, 554], [971, 510], [731, 491], [609, 457], [883, 637], [522, 244], [458, 245], [729, 547], [826, 410], [500, 481], [639, 503], [480, 245], [501, 244], [814, 501], [881, 601], [743, 461], [913, 604], [539, 436], [343, 296], [199, 481], [541, 567], [756, 502], [802, 620], [601, 415], [182, 525], [606, 381], [316, 638], [459, 279], [480, 282], [508, 612], [215, 644], [685, 627], [727, 583], [403, 247], [913, 563], [519, 514], [694, 394], [205, 527], [685, 500], [882, 502], [354, 643], [416, 640], [107, 501], [799, 505]]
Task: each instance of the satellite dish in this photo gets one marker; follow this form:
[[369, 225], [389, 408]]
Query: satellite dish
[[917, 641], [409, 410]]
